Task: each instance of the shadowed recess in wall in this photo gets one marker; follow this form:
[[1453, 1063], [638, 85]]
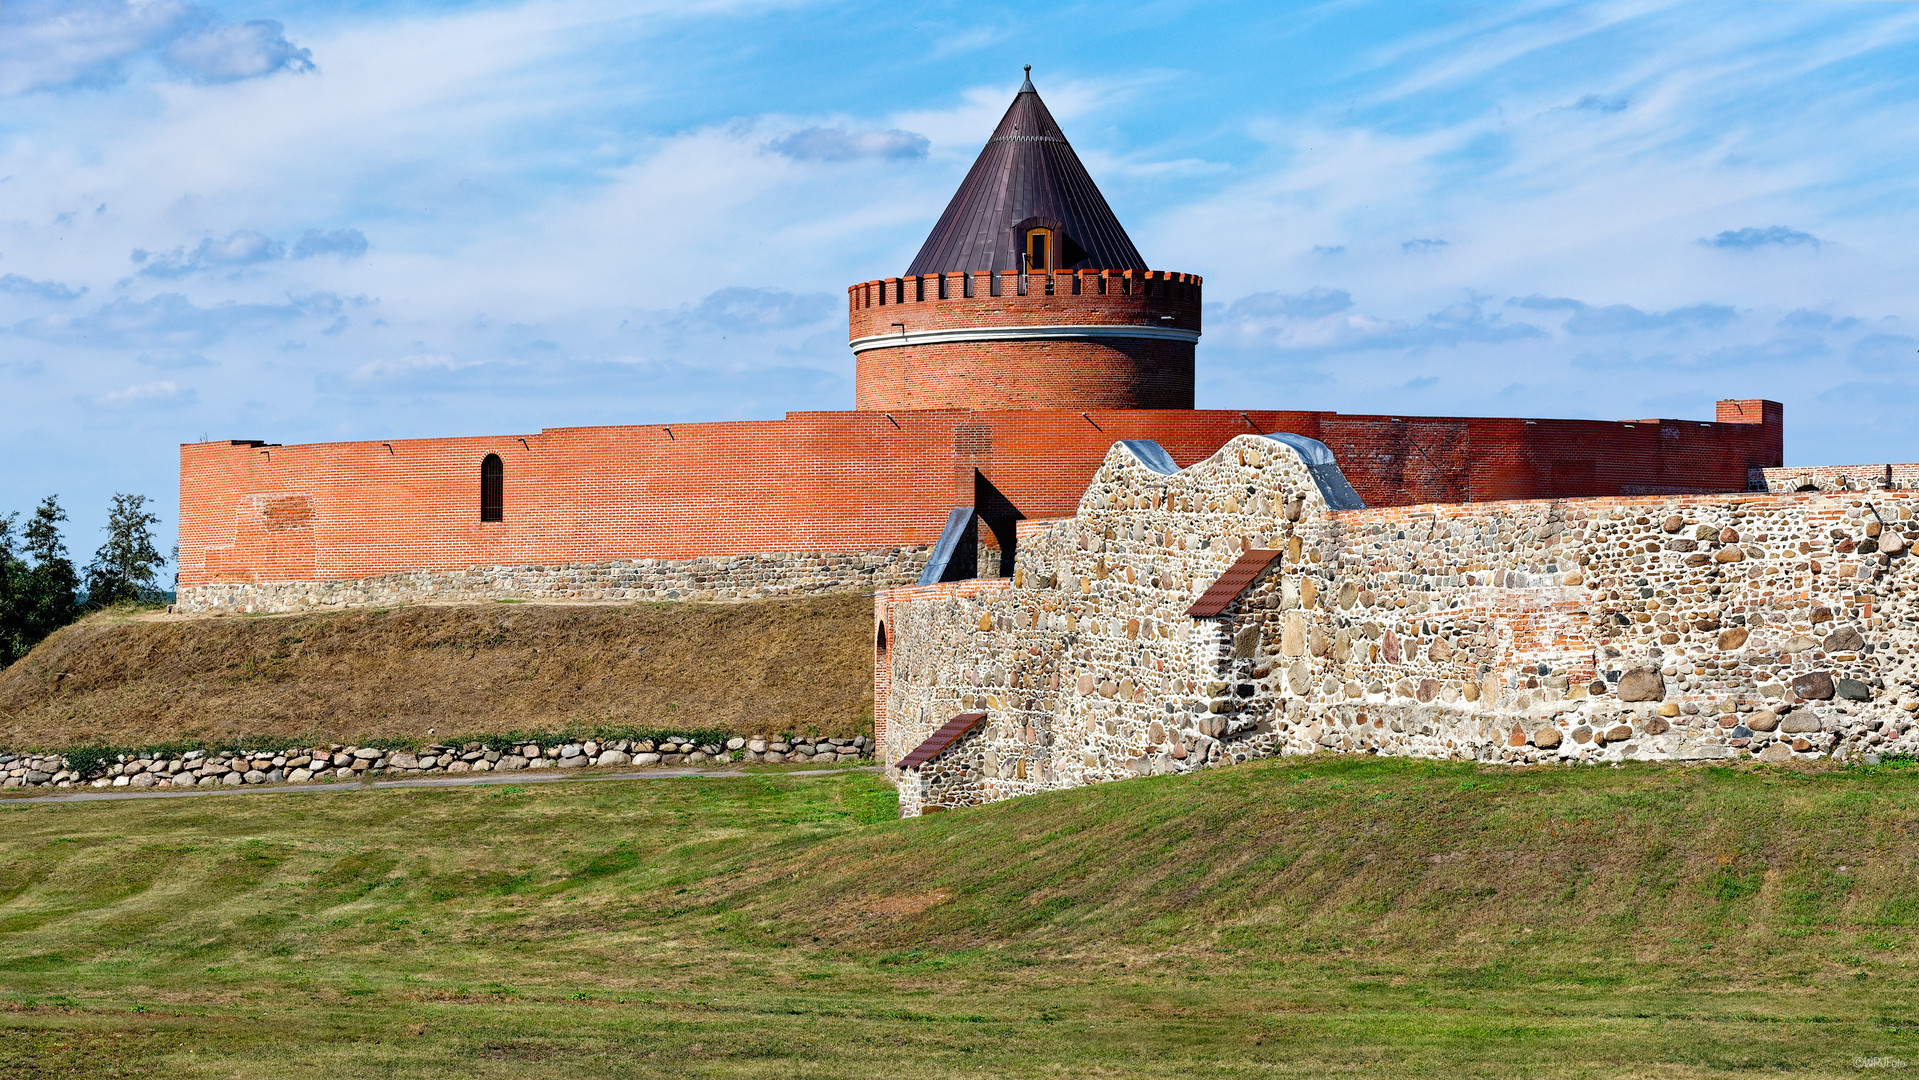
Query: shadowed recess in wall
[[1001, 516]]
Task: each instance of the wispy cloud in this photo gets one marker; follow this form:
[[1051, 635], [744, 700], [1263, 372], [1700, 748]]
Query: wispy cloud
[[170, 320], [247, 248], [234, 51], [243, 248], [51, 44], [45, 290], [173, 361], [1311, 304], [1771, 236], [164, 392], [1892, 352], [410, 365], [346, 243], [748, 309], [839, 144], [1807, 319], [1624, 318], [1324, 321], [1601, 103]]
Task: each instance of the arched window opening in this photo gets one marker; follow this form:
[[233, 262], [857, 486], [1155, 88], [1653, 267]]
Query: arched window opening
[[1039, 250], [880, 641], [492, 489]]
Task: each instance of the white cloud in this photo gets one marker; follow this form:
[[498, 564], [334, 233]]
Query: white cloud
[[246, 248], [839, 144], [346, 243], [49, 44], [234, 51], [45, 290], [1771, 236], [170, 320], [243, 248], [164, 392], [410, 365]]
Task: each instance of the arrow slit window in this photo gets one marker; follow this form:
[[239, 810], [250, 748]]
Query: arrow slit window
[[492, 489]]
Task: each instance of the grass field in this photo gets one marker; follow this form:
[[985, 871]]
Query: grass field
[[1297, 918]]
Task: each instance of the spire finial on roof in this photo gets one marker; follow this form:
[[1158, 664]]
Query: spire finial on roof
[[1026, 177]]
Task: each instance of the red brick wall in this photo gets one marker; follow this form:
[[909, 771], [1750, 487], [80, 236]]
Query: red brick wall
[[1028, 375], [1142, 374], [845, 481]]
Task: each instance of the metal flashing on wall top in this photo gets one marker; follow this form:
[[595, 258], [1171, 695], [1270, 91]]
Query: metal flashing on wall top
[[949, 561], [1324, 469], [1152, 455]]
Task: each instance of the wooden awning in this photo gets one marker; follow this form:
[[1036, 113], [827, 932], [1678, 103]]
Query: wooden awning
[[1250, 564], [948, 734]]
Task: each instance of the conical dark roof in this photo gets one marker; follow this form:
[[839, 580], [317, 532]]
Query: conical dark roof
[[1027, 176]]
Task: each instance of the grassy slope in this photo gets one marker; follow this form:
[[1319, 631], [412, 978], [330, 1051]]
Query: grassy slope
[[1282, 919], [758, 667]]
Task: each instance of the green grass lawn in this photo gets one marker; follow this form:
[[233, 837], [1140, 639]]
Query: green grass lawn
[[1298, 918]]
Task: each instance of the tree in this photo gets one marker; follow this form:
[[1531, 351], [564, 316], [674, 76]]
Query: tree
[[38, 598], [49, 598], [125, 568], [13, 573]]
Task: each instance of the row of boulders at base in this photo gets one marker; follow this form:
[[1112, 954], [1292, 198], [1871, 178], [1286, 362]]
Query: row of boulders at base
[[203, 768], [1771, 734]]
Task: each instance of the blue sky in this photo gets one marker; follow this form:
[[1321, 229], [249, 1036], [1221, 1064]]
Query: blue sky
[[304, 222]]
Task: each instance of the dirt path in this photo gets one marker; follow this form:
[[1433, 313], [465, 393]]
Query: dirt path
[[469, 780]]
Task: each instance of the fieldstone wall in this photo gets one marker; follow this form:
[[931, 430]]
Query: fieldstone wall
[[1775, 626], [336, 762], [737, 577], [1833, 478]]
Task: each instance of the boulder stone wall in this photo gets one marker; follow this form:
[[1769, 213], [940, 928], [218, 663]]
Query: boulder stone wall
[[736, 577], [1769, 626]]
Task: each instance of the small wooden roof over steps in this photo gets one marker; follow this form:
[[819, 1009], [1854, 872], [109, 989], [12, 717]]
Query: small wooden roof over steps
[[948, 734], [1251, 563]]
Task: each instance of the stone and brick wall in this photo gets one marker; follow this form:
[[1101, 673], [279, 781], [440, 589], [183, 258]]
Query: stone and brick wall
[[1843, 478], [587, 509], [738, 577], [1779, 626]]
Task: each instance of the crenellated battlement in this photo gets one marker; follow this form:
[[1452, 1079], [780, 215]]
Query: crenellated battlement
[[928, 302], [1087, 339]]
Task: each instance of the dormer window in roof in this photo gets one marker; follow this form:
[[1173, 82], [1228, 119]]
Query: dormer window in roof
[[1027, 188], [1039, 246]]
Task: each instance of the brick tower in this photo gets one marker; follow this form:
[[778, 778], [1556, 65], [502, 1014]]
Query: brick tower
[[1027, 295]]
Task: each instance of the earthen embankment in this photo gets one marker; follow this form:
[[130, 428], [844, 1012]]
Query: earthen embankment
[[430, 673]]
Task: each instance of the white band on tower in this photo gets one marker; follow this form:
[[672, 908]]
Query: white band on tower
[[1096, 332]]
